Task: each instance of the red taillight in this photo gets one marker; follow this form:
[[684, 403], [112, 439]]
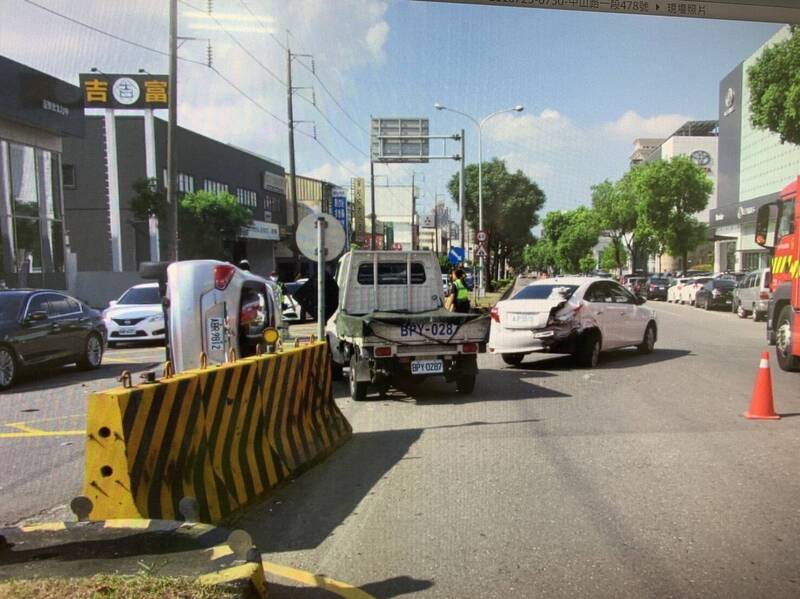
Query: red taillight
[[470, 348], [495, 314], [383, 351], [652, 287], [223, 273], [764, 295]]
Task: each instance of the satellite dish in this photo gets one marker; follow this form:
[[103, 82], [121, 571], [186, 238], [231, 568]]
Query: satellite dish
[[334, 238]]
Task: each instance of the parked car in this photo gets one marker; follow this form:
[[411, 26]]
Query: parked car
[[136, 317], [656, 288], [578, 315], [43, 327], [690, 289], [636, 285], [752, 294], [675, 288], [716, 293], [292, 311]]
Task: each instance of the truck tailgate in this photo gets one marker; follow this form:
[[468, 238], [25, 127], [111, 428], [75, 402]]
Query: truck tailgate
[[432, 327]]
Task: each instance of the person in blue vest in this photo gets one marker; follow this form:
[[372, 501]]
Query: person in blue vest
[[460, 292]]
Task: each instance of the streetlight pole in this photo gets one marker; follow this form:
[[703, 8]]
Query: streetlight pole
[[479, 125]]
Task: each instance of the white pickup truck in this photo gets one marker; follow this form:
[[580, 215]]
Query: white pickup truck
[[390, 323]]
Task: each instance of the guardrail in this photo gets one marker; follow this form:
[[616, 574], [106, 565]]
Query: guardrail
[[225, 435]]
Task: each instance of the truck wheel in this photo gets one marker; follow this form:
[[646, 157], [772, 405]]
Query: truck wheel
[[358, 390], [513, 359], [783, 341], [465, 383]]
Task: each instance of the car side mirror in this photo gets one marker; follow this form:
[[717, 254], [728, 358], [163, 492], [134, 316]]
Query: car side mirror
[[112, 303], [37, 316], [640, 300]]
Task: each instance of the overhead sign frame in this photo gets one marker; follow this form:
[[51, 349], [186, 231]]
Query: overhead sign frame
[[765, 11], [400, 140]]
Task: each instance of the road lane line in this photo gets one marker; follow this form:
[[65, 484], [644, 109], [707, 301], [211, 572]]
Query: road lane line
[[310, 579], [35, 433]]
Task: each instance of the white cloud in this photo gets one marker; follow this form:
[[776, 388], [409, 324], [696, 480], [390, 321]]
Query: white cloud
[[341, 175], [632, 125], [566, 159]]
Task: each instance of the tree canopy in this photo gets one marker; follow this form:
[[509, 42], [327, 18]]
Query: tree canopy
[[774, 82], [568, 237], [511, 202]]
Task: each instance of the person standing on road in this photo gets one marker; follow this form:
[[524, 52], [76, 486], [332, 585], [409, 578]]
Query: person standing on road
[[460, 292]]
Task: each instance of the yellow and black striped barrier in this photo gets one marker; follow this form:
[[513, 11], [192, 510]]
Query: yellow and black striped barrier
[[225, 435]]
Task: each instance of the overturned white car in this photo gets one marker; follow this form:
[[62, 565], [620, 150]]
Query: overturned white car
[[214, 309]]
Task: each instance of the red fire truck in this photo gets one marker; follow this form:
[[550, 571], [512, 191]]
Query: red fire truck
[[778, 229]]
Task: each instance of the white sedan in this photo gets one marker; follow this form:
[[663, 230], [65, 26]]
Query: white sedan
[[137, 316], [577, 315], [674, 291], [689, 291]]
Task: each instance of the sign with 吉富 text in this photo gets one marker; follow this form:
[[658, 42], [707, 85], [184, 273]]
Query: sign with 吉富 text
[[101, 90]]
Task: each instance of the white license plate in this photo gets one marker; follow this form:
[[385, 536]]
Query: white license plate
[[216, 334], [127, 331], [427, 367], [728, 301]]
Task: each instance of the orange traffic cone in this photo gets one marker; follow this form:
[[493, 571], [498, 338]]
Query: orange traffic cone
[[761, 405]]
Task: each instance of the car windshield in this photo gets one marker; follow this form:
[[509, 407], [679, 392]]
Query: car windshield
[[10, 305], [140, 296], [724, 284], [545, 291], [659, 281]]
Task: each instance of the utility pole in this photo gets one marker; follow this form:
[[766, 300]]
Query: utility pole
[[372, 201], [461, 206], [292, 173], [172, 165], [436, 223]]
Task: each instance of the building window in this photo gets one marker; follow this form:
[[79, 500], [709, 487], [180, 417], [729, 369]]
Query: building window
[[215, 186], [247, 197], [68, 175], [185, 183], [35, 229]]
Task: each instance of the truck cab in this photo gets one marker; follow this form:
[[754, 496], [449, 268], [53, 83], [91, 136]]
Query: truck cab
[[778, 229]]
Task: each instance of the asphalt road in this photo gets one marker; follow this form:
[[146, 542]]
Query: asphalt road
[[42, 420], [637, 479]]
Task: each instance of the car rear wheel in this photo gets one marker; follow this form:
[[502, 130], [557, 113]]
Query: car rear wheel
[[740, 311], [513, 359], [465, 383], [783, 342], [757, 316], [588, 354], [706, 304], [8, 368], [358, 389], [92, 356]]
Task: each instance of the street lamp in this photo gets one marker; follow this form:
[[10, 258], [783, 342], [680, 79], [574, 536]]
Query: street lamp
[[479, 124]]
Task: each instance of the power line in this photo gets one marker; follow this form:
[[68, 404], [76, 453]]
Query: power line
[[248, 97], [335, 101], [108, 34], [260, 22], [238, 43], [342, 135], [328, 152]]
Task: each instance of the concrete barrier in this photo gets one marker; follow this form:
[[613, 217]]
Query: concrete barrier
[[225, 435]]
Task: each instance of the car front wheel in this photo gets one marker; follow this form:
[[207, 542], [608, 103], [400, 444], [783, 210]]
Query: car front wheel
[[8, 368], [92, 356], [649, 341]]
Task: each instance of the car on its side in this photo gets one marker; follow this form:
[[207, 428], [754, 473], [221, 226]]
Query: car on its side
[[689, 290], [578, 315], [716, 293], [292, 310], [655, 288], [752, 294], [42, 327], [136, 317]]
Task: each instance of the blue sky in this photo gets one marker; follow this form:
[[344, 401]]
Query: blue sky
[[590, 82]]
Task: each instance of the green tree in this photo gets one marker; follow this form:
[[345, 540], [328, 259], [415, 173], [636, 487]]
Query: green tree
[[587, 263], [774, 82], [539, 256], [613, 256], [209, 224], [511, 202], [574, 233], [148, 200], [669, 193], [615, 207]]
